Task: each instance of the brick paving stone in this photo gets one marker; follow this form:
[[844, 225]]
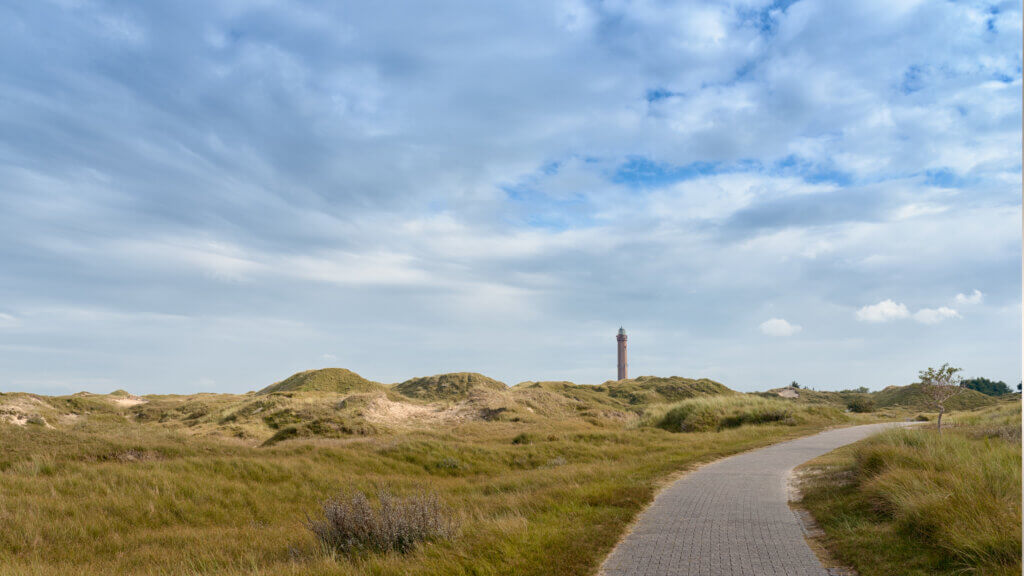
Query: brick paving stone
[[730, 518]]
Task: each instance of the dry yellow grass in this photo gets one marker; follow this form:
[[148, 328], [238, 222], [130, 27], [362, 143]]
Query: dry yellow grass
[[109, 494]]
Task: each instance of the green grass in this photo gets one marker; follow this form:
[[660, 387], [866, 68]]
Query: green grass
[[448, 387], [118, 496], [914, 398], [542, 477], [337, 380], [655, 389], [913, 502], [721, 412]]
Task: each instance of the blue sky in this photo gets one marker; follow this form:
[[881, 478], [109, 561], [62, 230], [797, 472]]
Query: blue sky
[[214, 195]]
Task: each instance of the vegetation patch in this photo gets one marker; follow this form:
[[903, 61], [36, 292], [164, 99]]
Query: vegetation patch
[[338, 380], [916, 502], [351, 524], [448, 387], [654, 389], [914, 397], [718, 413]]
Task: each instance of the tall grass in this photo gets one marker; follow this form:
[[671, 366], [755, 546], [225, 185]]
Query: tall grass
[[916, 502], [714, 413], [79, 500]]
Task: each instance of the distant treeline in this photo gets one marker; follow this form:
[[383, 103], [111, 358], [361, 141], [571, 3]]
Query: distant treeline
[[986, 386]]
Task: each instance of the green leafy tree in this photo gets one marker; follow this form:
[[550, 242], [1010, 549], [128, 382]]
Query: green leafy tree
[[986, 386], [941, 384], [794, 384]]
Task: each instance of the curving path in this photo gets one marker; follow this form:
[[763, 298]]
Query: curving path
[[730, 518]]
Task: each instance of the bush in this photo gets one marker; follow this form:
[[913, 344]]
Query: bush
[[37, 420], [351, 524], [861, 405], [523, 438], [718, 413]]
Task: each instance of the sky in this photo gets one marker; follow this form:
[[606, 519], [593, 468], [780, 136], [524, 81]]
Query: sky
[[211, 196]]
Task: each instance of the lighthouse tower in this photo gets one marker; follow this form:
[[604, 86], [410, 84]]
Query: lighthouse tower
[[623, 366]]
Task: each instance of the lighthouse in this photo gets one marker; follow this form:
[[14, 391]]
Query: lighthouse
[[623, 366]]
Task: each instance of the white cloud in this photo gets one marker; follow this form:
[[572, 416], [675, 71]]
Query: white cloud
[[725, 151], [883, 312], [779, 327], [935, 315], [973, 298], [887, 310], [919, 209], [328, 357]]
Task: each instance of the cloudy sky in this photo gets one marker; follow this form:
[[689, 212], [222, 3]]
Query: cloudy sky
[[214, 195]]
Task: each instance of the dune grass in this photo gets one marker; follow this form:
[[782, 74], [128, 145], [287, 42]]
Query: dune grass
[[913, 502], [111, 496], [713, 413]]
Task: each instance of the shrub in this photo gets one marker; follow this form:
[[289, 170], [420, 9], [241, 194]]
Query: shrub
[[351, 524], [522, 438], [862, 404], [717, 413], [37, 420]]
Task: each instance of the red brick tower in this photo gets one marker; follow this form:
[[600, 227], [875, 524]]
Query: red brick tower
[[623, 366]]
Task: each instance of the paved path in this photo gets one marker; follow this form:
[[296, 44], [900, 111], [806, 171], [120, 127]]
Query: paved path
[[730, 518]]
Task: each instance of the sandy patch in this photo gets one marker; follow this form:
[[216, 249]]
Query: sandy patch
[[789, 393], [16, 418], [69, 419], [129, 401], [384, 411], [20, 410]]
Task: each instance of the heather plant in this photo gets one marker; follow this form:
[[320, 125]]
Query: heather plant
[[350, 523]]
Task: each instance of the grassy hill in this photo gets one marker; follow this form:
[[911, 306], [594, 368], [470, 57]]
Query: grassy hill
[[533, 470], [657, 390], [808, 396], [337, 380], [581, 395], [893, 398], [183, 485], [448, 387], [914, 398], [719, 412]]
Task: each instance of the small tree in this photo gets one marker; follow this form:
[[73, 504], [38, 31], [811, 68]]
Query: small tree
[[794, 384], [940, 384]]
